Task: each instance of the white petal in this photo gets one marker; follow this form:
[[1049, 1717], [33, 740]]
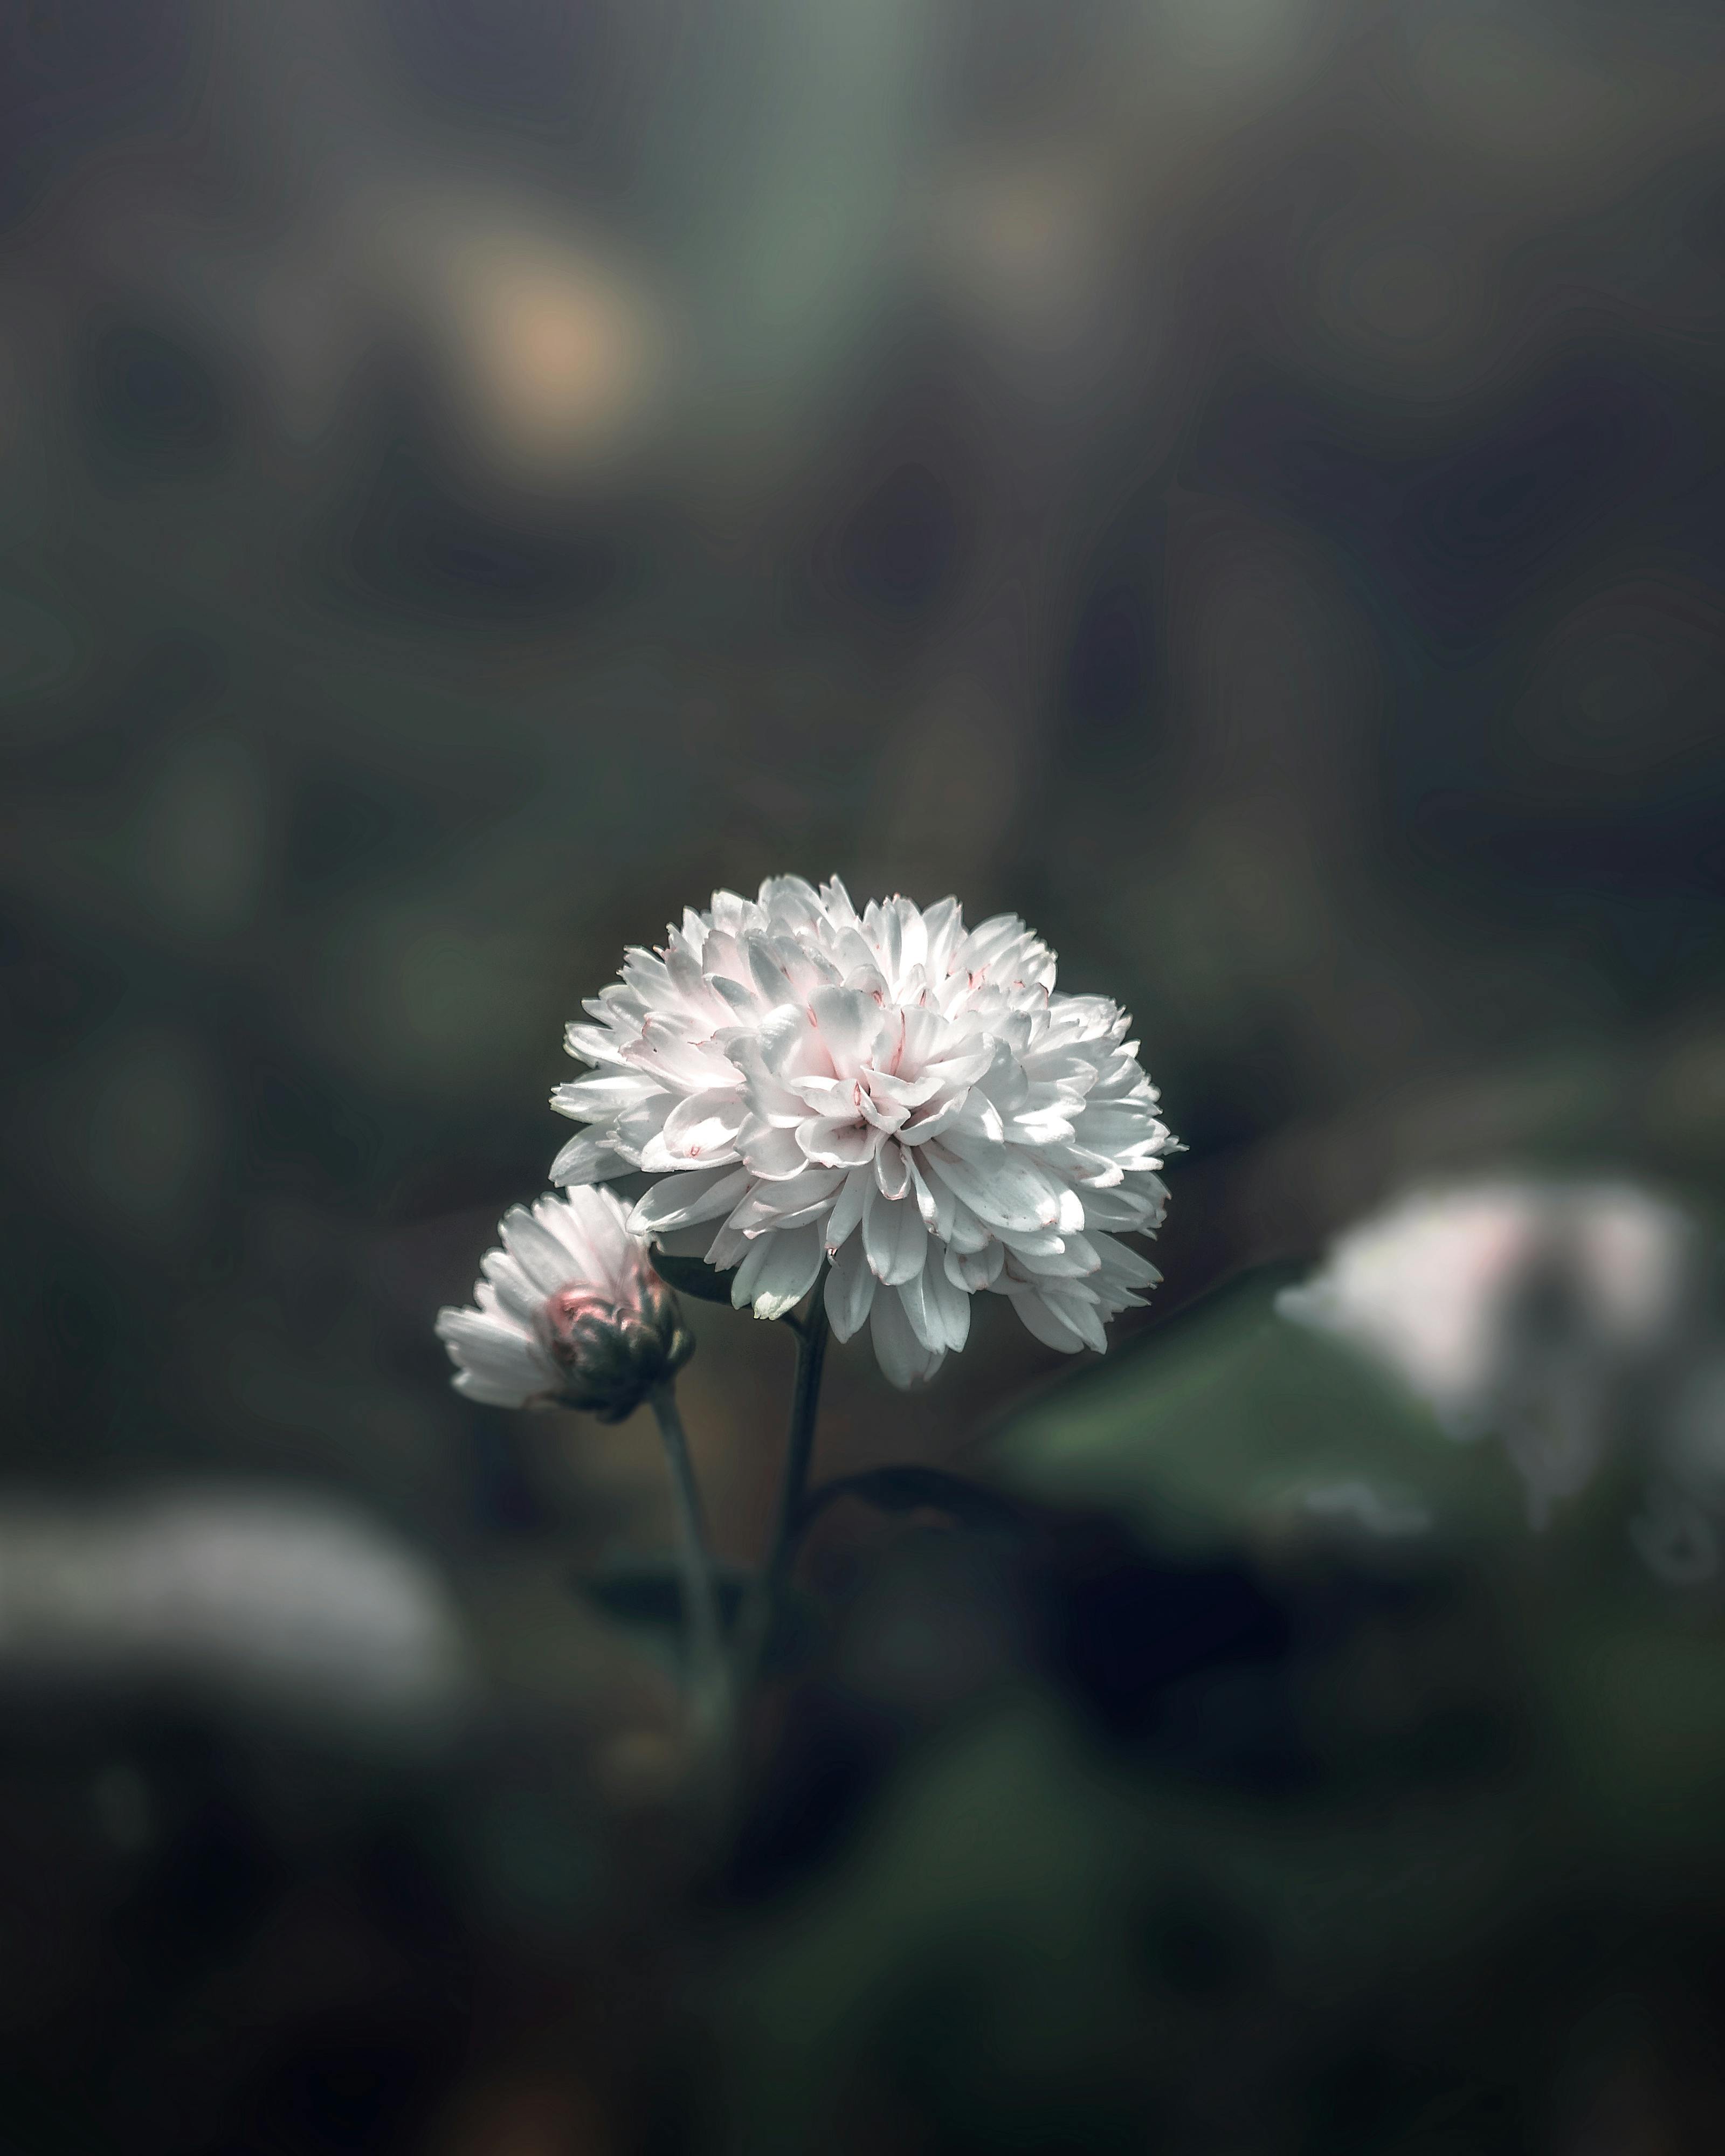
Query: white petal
[[1052, 1331], [599, 1099], [599, 1218], [779, 1271], [850, 1289], [540, 1254], [503, 1363], [1001, 1184], [850, 1023], [901, 1354], [894, 1237], [677, 1201], [892, 1171], [838, 1142], [771, 1151], [973, 1270], [703, 1128], [770, 1204], [939, 1313], [512, 1293], [848, 1207], [587, 1158]]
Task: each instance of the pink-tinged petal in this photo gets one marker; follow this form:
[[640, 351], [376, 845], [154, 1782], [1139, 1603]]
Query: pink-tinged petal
[[964, 1063], [904, 1093], [637, 1127], [778, 1271], [790, 1046], [737, 998], [894, 1237], [848, 1207], [892, 1171], [883, 1115], [918, 1039], [903, 1358], [850, 1023], [770, 1153], [703, 1128], [673, 1060], [838, 1142], [934, 1122], [1004, 1082], [678, 1201], [826, 1097], [867, 981], [768, 975], [768, 1096], [850, 1290]]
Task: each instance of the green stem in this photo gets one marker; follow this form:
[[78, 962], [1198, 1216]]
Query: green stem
[[799, 1447], [707, 1659]]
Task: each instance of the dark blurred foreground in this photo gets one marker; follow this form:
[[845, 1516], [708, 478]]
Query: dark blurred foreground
[[1239, 481]]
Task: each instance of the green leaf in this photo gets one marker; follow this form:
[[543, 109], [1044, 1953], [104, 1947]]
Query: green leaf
[[692, 1277], [910, 1488], [1233, 1422]]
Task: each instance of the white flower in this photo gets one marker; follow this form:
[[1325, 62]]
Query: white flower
[[886, 1089], [278, 1593], [1516, 1308], [569, 1313]]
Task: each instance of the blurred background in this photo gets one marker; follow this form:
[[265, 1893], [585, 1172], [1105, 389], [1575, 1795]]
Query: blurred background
[[1240, 482]]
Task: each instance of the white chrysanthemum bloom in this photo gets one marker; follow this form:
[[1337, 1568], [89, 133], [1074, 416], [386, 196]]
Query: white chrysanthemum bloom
[[1515, 1308], [888, 1089], [569, 1313]]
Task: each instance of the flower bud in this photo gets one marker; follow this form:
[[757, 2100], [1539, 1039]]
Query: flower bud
[[570, 1313], [613, 1353]]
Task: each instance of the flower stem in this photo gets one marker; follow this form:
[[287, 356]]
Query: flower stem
[[799, 1447], [710, 1680]]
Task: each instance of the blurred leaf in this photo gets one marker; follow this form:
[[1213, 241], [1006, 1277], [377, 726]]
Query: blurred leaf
[[910, 1488], [1234, 1422], [692, 1277]]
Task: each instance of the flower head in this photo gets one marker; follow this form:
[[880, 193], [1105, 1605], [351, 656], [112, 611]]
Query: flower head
[[889, 1090], [570, 1313]]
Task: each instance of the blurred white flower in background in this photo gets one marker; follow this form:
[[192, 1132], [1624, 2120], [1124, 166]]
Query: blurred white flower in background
[[886, 1089], [569, 1313], [280, 1598], [1547, 1314]]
